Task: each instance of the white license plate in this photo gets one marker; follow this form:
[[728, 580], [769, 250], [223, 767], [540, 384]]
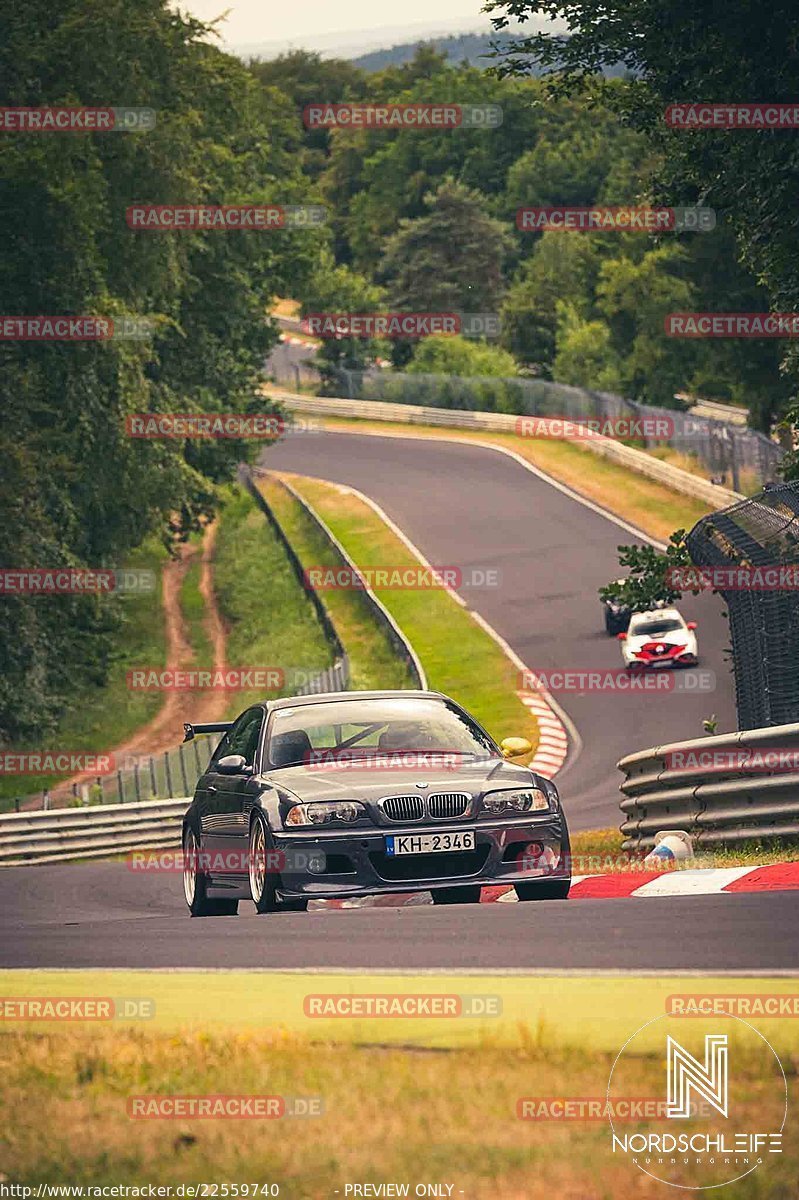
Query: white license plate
[[428, 843]]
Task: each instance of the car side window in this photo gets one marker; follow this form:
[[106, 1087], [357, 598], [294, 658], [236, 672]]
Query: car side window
[[243, 737], [222, 749]]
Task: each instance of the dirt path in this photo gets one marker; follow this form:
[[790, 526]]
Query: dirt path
[[165, 730]]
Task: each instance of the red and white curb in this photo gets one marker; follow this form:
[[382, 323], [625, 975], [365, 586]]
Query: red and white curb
[[702, 881], [553, 744]]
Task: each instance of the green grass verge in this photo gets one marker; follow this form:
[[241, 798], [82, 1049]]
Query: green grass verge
[[100, 717], [374, 662], [458, 656], [270, 620], [388, 1113]]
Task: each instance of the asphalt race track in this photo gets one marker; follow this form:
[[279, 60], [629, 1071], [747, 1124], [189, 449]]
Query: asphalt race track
[[103, 915], [467, 507]]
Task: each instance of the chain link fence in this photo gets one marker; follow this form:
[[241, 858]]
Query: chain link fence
[[731, 454], [762, 532]]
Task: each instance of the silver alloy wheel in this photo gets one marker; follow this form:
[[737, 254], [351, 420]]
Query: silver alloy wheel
[[190, 867], [257, 863]]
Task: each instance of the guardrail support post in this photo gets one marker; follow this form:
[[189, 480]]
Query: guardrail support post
[[183, 771], [168, 774]]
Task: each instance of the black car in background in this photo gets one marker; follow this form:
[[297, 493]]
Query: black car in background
[[361, 793]]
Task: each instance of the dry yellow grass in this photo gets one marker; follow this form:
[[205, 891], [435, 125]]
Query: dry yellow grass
[[447, 1117]]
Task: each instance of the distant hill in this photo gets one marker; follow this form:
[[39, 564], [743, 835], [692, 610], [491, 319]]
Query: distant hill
[[462, 47], [465, 47]]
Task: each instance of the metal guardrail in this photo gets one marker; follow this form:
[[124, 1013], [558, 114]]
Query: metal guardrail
[[733, 787], [65, 833], [723, 448], [670, 476]]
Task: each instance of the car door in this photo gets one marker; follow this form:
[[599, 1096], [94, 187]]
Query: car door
[[235, 793]]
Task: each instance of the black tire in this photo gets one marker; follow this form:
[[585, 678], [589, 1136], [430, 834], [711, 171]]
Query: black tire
[[457, 895], [195, 882], [548, 889], [615, 624]]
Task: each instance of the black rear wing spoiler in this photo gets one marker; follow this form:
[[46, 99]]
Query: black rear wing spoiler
[[190, 731]]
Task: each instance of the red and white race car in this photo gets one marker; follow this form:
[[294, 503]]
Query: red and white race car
[[659, 639]]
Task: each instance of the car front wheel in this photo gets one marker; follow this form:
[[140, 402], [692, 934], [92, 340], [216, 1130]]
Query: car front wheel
[[195, 883], [263, 887]]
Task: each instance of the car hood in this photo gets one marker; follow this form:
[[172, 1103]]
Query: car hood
[[355, 782]]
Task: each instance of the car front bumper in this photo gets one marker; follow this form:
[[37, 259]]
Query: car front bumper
[[355, 862]]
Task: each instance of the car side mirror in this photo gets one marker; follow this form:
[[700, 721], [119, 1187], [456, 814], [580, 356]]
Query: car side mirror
[[515, 747], [692, 624], [233, 764], [621, 637]]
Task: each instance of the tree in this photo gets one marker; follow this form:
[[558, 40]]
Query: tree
[[457, 356], [561, 267], [585, 355], [338, 289], [307, 78], [78, 490], [450, 259], [648, 581], [376, 177], [634, 298]]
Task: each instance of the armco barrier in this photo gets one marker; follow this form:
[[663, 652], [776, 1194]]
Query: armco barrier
[[97, 832], [411, 414], [715, 801]]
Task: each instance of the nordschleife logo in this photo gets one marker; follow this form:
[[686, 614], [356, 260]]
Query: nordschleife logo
[[724, 1101], [707, 1080]]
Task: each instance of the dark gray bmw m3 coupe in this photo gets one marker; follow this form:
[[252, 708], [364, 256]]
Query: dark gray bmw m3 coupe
[[362, 793]]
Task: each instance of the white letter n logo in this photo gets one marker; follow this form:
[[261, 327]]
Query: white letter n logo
[[686, 1074]]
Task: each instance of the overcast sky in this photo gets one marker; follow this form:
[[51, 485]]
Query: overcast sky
[[305, 21]]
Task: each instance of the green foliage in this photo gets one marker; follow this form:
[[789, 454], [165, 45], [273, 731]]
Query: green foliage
[[448, 260], [646, 583], [444, 355], [339, 289], [585, 356], [748, 176], [561, 268]]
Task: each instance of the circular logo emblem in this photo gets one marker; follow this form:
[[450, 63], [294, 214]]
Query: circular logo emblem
[[718, 1108]]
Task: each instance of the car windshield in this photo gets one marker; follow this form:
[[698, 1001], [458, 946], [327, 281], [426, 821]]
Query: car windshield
[[311, 733], [665, 625]]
